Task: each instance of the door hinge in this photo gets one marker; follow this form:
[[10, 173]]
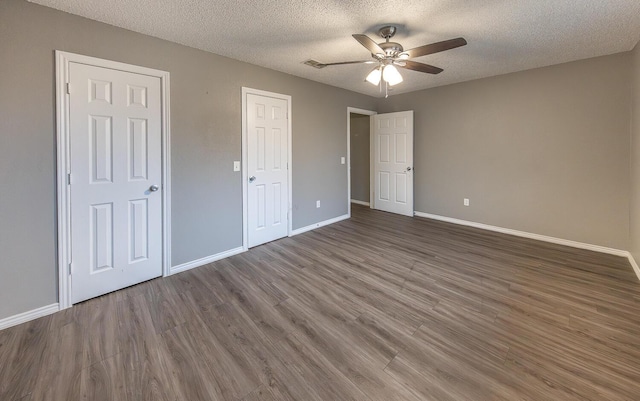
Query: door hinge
[[68, 178], [70, 268], [68, 88]]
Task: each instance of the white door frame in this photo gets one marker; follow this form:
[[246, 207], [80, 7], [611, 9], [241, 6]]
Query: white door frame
[[63, 163], [367, 113], [245, 160]]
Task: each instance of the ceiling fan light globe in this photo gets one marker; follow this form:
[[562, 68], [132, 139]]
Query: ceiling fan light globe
[[391, 75], [374, 76]]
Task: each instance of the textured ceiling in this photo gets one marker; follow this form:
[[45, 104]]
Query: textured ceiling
[[503, 35]]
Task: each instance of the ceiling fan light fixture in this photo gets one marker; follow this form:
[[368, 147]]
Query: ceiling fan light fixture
[[391, 75], [374, 76]]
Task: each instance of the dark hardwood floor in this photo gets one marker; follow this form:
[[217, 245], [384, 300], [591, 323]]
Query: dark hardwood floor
[[378, 307]]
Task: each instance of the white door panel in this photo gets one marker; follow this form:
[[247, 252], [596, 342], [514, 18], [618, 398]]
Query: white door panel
[[393, 162], [267, 148], [115, 147]]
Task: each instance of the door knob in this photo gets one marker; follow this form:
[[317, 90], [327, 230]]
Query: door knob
[[408, 168], [252, 178], [154, 188]]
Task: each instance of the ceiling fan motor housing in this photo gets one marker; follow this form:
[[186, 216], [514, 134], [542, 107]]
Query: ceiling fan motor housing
[[391, 49]]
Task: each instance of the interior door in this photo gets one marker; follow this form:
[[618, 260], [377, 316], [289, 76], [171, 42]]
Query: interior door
[[267, 164], [115, 164], [393, 162]]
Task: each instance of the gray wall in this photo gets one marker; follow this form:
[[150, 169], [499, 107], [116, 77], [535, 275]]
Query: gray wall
[[360, 156], [206, 139], [543, 151], [634, 216]]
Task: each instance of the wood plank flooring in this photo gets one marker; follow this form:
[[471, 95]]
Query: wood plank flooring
[[378, 307]]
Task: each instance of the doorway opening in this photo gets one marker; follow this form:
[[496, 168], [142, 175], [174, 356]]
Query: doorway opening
[[359, 156]]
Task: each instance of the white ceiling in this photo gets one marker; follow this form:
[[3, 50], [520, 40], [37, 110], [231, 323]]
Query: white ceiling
[[503, 35]]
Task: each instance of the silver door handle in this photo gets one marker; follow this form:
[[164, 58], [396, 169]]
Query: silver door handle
[[252, 178], [154, 188], [408, 168]]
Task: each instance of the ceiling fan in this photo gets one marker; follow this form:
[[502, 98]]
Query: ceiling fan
[[389, 55]]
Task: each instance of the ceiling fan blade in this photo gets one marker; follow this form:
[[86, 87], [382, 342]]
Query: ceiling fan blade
[[352, 62], [415, 66], [435, 47], [368, 43], [319, 65]]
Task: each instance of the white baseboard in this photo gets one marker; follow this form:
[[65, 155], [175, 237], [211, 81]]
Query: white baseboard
[[27, 316], [205, 260], [358, 202], [554, 240], [633, 264], [317, 225]]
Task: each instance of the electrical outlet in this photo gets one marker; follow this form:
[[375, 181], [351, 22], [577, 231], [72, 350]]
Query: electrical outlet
[[317, 204], [236, 166], [466, 201]]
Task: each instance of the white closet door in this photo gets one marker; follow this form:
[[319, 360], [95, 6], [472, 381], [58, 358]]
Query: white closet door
[[115, 164], [267, 144]]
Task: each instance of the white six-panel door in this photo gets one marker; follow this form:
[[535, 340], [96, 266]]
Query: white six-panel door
[[393, 162], [267, 164], [115, 191]]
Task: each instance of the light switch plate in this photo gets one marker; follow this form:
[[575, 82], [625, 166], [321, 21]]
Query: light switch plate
[[342, 160], [236, 166]]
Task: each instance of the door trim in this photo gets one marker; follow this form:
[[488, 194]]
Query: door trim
[[244, 176], [63, 59], [366, 113]]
